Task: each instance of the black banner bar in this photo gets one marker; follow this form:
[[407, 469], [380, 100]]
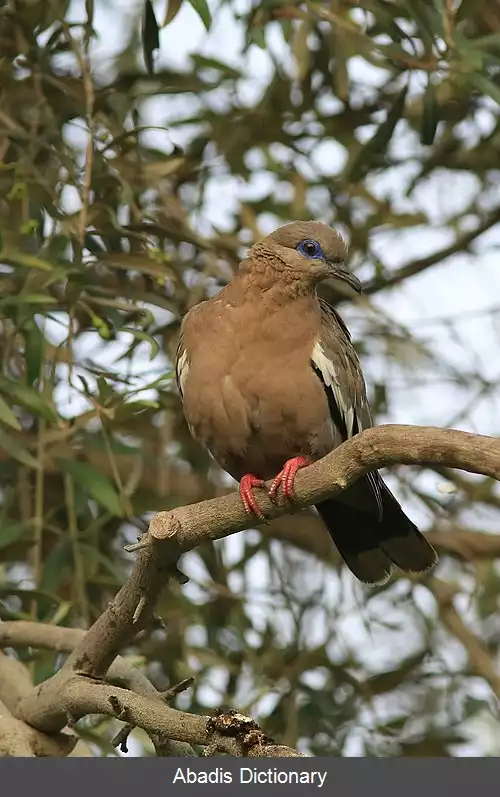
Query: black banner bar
[[392, 777]]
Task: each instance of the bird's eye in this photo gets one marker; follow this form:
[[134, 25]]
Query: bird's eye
[[311, 249]]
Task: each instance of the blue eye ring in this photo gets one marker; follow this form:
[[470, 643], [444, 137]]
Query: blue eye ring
[[310, 248]]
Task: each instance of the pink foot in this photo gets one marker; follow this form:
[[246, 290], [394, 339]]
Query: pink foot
[[286, 478], [247, 484]]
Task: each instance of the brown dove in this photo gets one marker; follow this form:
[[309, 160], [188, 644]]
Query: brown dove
[[270, 382]]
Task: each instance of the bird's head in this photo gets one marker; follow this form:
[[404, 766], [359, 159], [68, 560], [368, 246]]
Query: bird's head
[[311, 250]]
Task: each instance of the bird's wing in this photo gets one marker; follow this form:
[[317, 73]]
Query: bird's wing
[[336, 363]]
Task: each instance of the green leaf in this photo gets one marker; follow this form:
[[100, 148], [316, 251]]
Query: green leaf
[[28, 594], [490, 40], [34, 350], [364, 158], [430, 115], [203, 11], [173, 7], [7, 416], [429, 20], [60, 613], [11, 532], [98, 486], [131, 408], [93, 555], [22, 259], [27, 397], [14, 448], [391, 679], [106, 392], [27, 298], [150, 36], [160, 383], [56, 566], [468, 9], [202, 61], [485, 86], [141, 337]]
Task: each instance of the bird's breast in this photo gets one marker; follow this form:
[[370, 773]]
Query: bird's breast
[[254, 409]]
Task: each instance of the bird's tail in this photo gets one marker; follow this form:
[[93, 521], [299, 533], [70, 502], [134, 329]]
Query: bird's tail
[[370, 546]]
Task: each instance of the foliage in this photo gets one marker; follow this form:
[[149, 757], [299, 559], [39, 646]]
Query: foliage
[[129, 189]]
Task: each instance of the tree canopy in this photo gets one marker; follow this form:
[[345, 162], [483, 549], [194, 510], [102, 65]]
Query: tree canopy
[[144, 147]]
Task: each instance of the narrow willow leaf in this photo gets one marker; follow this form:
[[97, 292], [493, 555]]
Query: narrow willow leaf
[[491, 40], [7, 416], [214, 63], [15, 450], [98, 486], [22, 259], [28, 298], [160, 382], [150, 36], [430, 115], [300, 49], [61, 613], [141, 337], [379, 142], [131, 408], [33, 351], [57, 565], [485, 86], [173, 7], [91, 553], [203, 11], [12, 532], [27, 397], [429, 21]]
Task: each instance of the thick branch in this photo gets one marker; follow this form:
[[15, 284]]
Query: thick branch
[[372, 449], [16, 738], [15, 681], [81, 696], [173, 533], [24, 633]]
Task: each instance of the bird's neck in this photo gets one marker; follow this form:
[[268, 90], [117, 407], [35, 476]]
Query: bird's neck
[[265, 280]]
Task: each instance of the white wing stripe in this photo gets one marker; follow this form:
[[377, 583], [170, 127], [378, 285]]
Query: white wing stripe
[[330, 377], [181, 371]]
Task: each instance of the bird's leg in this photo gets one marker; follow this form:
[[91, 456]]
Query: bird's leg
[[249, 501], [286, 477]]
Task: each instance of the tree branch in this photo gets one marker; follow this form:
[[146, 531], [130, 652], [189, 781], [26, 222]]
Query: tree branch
[[417, 266], [25, 633], [173, 533], [373, 449], [17, 738], [15, 681], [480, 660], [81, 696]]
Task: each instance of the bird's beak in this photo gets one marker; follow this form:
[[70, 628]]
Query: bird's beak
[[339, 273]]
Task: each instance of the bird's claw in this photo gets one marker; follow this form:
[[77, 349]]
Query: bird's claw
[[248, 499], [286, 478]]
